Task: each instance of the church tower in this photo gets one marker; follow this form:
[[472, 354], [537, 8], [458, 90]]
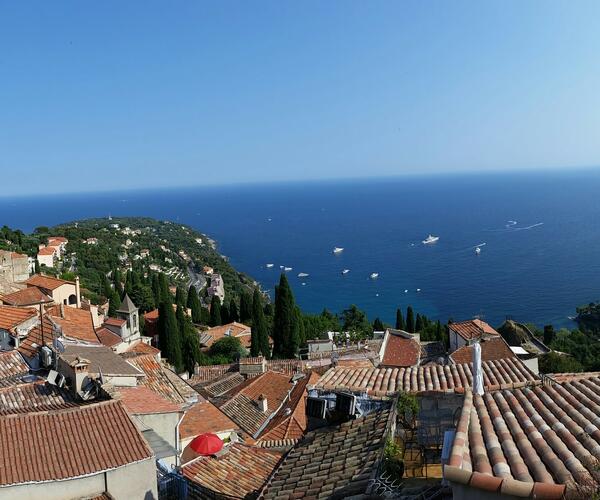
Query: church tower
[[130, 313]]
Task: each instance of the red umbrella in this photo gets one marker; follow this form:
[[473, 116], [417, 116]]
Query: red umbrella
[[206, 444]]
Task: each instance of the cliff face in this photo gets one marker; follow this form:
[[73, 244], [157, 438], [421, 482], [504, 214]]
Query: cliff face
[[517, 334]]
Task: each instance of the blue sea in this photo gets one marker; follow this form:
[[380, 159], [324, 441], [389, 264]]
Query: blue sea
[[539, 235]]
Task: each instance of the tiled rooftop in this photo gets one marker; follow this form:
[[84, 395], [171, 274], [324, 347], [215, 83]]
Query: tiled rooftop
[[156, 379], [25, 455], [541, 441], [141, 400], [400, 351], [115, 322], [333, 462], [38, 336], [472, 329], [108, 338], [47, 282], [142, 348], [12, 368], [221, 385], [234, 329], [211, 372], [239, 473], [26, 297], [11, 317], [102, 359], [32, 397], [432, 377], [205, 417], [74, 323], [492, 349]]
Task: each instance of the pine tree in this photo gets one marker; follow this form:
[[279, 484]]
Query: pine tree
[[400, 325], [245, 307], [233, 311], [283, 319], [378, 325], [193, 303], [418, 324], [410, 320], [215, 311]]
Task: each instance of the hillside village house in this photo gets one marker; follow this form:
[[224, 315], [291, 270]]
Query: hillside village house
[[47, 256], [217, 287], [60, 291], [59, 243], [15, 324], [14, 267], [466, 332]]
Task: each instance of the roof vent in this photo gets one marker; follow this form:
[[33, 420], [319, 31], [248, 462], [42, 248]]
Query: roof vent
[[262, 403]]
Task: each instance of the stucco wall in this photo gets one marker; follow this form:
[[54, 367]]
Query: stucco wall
[[124, 483], [165, 425]]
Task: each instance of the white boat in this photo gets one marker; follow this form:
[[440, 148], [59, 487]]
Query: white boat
[[345, 271], [269, 266], [338, 249], [302, 275], [286, 269], [430, 239], [418, 289], [405, 291], [281, 267], [478, 250], [374, 276]]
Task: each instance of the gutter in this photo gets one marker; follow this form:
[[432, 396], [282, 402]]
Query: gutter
[[177, 457]]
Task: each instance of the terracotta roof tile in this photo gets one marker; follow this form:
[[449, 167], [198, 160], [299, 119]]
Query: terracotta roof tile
[[26, 457], [74, 323], [234, 329], [332, 462], [102, 359], [239, 473], [156, 379], [431, 377], [221, 385], [11, 317], [205, 417], [33, 397], [141, 400], [38, 336], [492, 349], [108, 338], [26, 297], [541, 439], [115, 321], [12, 368], [400, 351], [472, 329], [46, 282], [142, 348]]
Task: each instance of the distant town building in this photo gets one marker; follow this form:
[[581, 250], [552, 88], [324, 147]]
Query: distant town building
[[217, 287], [14, 267], [47, 256], [466, 332]]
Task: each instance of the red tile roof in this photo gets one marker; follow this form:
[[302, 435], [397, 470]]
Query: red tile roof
[[108, 338], [205, 417], [141, 400], [156, 379], [400, 351], [431, 377], [239, 473], [211, 372], [233, 329], [26, 297], [12, 368], [492, 349], [143, 348], [76, 451], [74, 323], [115, 321], [33, 397], [472, 329], [47, 282], [37, 337], [57, 239], [11, 317], [541, 441]]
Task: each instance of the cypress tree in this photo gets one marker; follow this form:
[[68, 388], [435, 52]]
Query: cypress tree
[[549, 334], [156, 289], [418, 323], [245, 307], [193, 303], [378, 325], [191, 347], [37, 267], [225, 315], [259, 340], [410, 320], [168, 335], [293, 344], [215, 311], [204, 316], [438, 330], [233, 311], [283, 319], [400, 325], [180, 297]]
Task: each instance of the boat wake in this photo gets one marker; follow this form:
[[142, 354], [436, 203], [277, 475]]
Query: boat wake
[[512, 227]]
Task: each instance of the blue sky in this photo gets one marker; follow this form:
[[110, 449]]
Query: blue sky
[[101, 95]]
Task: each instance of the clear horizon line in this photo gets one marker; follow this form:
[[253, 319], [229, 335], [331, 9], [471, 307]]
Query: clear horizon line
[[411, 174]]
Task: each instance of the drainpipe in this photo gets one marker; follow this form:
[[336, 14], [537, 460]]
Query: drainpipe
[[177, 444]]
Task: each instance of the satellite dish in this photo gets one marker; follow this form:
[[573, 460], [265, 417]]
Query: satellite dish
[[58, 345]]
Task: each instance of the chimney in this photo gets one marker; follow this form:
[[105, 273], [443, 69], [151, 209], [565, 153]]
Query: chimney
[[477, 369], [262, 403], [77, 292]]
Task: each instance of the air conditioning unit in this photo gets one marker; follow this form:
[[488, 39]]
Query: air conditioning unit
[[345, 404], [316, 407], [46, 356], [55, 378]]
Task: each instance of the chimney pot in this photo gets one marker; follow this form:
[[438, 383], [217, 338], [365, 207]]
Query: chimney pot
[[262, 403]]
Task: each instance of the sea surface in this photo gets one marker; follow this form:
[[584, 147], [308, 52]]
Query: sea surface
[[539, 235]]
